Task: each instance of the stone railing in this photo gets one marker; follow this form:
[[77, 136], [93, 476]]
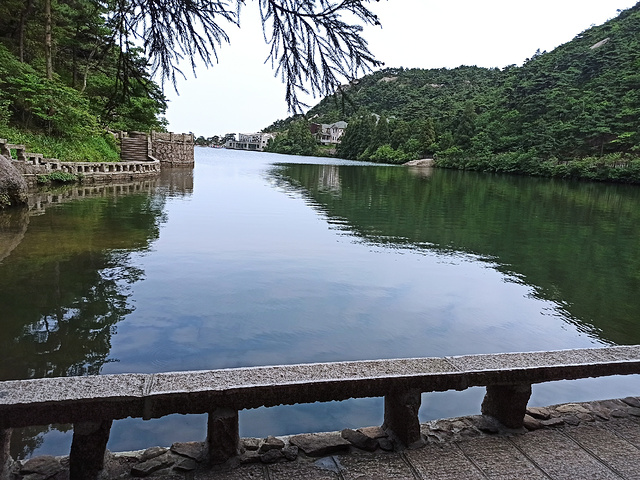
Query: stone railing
[[30, 165], [92, 403]]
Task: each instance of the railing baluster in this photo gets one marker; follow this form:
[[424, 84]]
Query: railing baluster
[[223, 435], [401, 416], [507, 403], [88, 449], [5, 452]]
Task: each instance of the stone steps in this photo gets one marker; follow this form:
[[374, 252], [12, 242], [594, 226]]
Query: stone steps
[[134, 149]]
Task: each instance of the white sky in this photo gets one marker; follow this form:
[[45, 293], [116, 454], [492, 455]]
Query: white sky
[[241, 94]]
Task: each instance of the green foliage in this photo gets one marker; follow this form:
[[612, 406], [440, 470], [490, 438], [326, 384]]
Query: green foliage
[[297, 140], [95, 148], [57, 177], [96, 83]]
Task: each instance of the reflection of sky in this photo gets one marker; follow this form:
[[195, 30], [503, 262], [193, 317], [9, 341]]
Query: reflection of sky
[[245, 275]]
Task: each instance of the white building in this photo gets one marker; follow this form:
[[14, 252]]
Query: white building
[[328, 134], [250, 141]]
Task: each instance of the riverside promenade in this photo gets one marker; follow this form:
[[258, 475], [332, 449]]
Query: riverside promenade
[[510, 439], [594, 440]]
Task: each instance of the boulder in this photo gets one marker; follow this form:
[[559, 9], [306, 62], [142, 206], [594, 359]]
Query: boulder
[[13, 187]]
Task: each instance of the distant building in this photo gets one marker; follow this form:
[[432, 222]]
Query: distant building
[[249, 141], [328, 134]]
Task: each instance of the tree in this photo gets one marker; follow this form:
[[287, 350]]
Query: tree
[[310, 41]]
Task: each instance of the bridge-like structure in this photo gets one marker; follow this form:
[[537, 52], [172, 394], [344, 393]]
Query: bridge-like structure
[[92, 403]]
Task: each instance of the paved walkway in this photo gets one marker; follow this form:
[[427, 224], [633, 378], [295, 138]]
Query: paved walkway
[[602, 450]]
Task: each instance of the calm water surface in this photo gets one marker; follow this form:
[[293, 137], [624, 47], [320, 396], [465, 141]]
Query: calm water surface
[[253, 260]]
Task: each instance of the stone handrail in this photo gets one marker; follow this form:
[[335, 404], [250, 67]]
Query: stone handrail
[[91, 403]]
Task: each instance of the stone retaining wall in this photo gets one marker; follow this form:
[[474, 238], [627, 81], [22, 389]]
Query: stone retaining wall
[[172, 149]]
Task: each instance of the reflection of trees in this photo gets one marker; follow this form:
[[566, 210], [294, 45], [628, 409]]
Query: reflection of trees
[[575, 243], [13, 225], [65, 284], [65, 287], [176, 181]]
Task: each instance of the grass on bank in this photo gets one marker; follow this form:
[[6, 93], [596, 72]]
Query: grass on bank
[[98, 148]]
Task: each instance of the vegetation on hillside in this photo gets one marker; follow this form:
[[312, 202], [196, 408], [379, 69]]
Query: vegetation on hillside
[[64, 81], [572, 112]]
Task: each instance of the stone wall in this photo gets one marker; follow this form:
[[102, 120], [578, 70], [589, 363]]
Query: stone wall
[[172, 149]]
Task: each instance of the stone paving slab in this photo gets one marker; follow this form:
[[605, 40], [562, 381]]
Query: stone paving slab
[[561, 458], [390, 466], [497, 457], [443, 461], [617, 453]]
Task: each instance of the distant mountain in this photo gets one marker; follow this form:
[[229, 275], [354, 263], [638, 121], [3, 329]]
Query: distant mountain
[[580, 100]]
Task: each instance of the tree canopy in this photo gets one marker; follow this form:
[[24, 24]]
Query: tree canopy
[[71, 68]]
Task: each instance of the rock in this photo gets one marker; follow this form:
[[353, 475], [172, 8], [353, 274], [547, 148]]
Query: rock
[[185, 465], [45, 465], [13, 187], [386, 444], [552, 422], [424, 162], [571, 408], [488, 424], [152, 452], [571, 420], [271, 443], [634, 411], [250, 456], [359, 440], [290, 452], [251, 443], [540, 413], [271, 456], [585, 417], [193, 450], [531, 423], [145, 469], [632, 401], [619, 413], [320, 444], [373, 432], [458, 426]]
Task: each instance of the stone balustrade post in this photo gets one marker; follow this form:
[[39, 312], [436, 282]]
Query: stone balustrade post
[[5, 452], [223, 435], [4, 150], [88, 449], [401, 416], [507, 403]]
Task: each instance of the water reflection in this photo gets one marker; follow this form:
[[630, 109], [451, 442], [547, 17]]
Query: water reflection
[[65, 279], [575, 244], [387, 263]]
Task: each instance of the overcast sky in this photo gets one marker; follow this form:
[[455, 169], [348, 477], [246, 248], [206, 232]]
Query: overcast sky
[[241, 94]]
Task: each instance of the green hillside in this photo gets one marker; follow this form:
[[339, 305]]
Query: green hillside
[[572, 112]]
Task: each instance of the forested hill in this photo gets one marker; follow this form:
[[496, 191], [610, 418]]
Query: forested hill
[[65, 79], [580, 100]]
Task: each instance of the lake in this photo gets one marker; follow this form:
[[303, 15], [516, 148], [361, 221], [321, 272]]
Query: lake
[[263, 259]]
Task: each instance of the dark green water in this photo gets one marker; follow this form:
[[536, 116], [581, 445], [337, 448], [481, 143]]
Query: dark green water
[[251, 261]]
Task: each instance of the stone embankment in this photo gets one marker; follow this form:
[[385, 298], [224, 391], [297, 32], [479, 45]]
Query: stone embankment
[[32, 165], [142, 156], [604, 434]]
